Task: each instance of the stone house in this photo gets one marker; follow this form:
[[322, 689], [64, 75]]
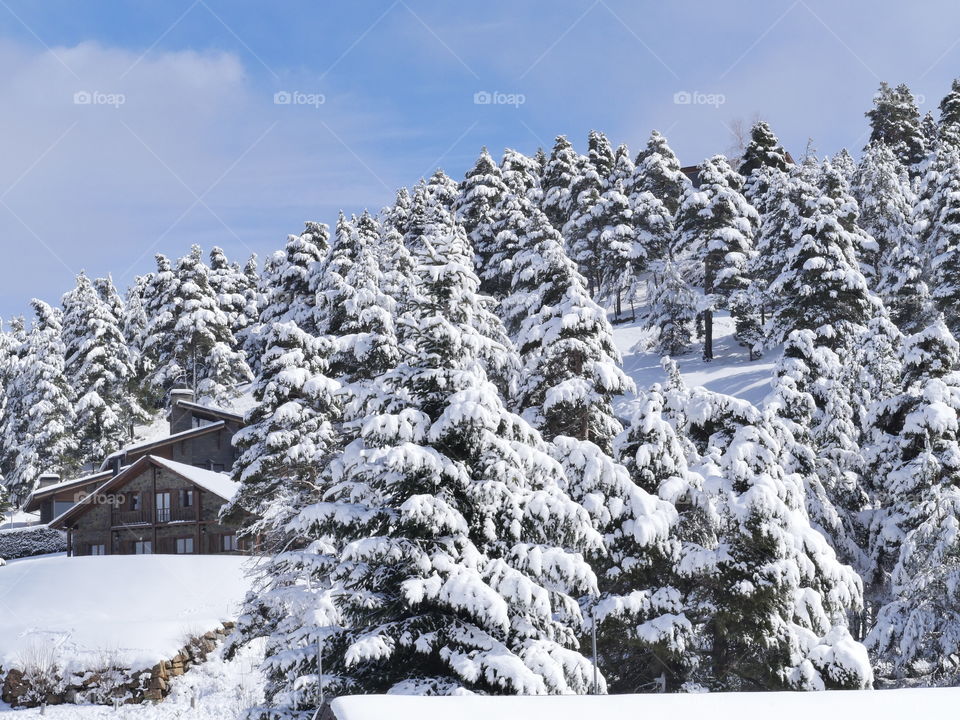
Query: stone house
[[155, 505], [162, 495]]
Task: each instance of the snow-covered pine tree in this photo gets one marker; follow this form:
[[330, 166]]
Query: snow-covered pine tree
[[945, 242], [291, 281], [558, 175], [510, 217], [229, 285], [650, 604], [600, 154], [448, 582], [895, 121], [443, 190], [916, 546], [288, 434], [778, 591], [156, 351], [763, 151], [521, 175], [715, 228], [672, 309], [845, 164], [398, 214], [820, 286], [365, 345], [201, 344], [582, 231], [621, 260], [834, 185], [331, 287], [571, 368], [948, 128], [481, 191], [657, 171], [42, 393], [880, 188], [290, 437], [99, 368], [623, 168]]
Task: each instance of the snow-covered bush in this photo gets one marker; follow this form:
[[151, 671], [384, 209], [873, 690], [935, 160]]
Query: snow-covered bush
[[26, 542]]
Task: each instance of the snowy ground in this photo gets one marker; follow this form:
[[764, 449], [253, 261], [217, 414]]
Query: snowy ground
[[873, 704], [731, 371], [135, 609], [216, 690]]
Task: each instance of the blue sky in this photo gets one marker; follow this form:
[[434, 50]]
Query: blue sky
[[182, 141]]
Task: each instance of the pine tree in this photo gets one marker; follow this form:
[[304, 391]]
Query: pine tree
[[820, 287], [582, 231], [657, 171], [651, 603], [230, 286], [198, 345], [432, 502], [621, 260], [292, 279], [763, 151], [331, 288], [715, 227], [443, 190], [945, 241], [879, 188], [521, 175], [571, 368], [481, 191], [558, 175], [672, 310], [600, 154], [916, 547], [289, 433], [43, 395], [948, 130], [895, 122], [845, 164], [99, 370]]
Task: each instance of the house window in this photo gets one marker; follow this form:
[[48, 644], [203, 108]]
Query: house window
[[133, 501], [98, 550], [228, 543], [184, 546], [163, 506], [142, 547], [186, 498]]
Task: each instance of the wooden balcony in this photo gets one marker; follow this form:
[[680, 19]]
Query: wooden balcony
[[159, 516], [131, 517]]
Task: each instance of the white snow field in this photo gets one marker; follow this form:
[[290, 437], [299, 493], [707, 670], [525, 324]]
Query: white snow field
[[731, 372], [873, 704], [137, 609]]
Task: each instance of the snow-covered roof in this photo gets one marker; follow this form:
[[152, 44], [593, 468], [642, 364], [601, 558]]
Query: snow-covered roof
[[874, 704], [219, 412], [215, 482], [176, 437], [65, 485]]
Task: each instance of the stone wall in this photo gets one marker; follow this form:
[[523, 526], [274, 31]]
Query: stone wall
[[25, 687]]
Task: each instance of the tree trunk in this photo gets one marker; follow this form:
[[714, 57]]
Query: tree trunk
[[708, 314]]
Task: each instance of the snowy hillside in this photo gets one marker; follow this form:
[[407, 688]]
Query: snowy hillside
[[138, 609], [730, 372]]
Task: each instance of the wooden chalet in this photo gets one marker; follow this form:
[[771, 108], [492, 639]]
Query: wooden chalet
[[153, 506], [158, 496]]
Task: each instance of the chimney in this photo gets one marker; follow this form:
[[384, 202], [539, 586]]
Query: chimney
[[178, 394], [180, 418], [47, 479]]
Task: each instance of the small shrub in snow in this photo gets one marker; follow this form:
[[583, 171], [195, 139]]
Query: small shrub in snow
[[29, 541]]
